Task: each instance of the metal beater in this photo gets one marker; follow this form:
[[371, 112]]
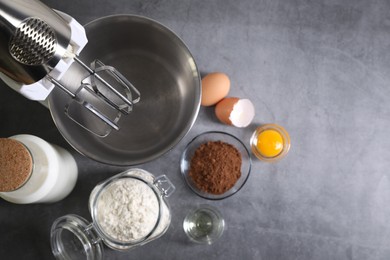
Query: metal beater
[[37, 47]]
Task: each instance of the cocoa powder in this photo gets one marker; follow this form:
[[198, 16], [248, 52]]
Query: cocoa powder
[[215, 167]]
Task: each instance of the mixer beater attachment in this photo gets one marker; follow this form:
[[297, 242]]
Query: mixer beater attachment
[[103, 93]]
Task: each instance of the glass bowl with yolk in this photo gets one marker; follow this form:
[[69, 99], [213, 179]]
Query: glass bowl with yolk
[[270, 142]]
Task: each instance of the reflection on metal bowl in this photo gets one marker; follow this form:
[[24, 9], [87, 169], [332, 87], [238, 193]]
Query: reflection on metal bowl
[[160, 66]]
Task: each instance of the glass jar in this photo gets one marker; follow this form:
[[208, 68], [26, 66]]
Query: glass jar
[[127, 210], [35, 171]]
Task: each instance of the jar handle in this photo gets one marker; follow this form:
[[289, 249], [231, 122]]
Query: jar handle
[[164, 185]]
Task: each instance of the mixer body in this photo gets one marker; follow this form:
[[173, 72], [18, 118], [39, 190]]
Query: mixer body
[[28, 56], [35, 42]]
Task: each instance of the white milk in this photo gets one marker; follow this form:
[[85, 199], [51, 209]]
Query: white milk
[[53, 176]]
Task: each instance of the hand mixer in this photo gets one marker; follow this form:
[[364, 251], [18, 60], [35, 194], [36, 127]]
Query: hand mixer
[[37, 47]]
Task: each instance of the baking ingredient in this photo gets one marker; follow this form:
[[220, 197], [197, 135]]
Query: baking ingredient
[[53, 176], [165, 215], [128, 210], [204, 225], [236, 112], [215, 86], [16, 164], [215, 167], [269, 143]]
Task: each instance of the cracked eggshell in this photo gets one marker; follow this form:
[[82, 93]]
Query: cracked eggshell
[[235, 111]]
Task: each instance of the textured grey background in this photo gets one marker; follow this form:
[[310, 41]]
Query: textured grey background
[[319, 68]]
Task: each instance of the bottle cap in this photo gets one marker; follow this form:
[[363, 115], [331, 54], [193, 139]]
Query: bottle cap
[[16, 164]]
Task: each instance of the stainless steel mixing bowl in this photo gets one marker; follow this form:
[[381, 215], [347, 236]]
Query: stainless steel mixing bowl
[[160, 66]]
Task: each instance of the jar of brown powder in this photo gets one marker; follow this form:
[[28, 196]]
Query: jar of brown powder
[[35, 171]]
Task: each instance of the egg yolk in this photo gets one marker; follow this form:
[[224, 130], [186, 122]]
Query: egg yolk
[[269, 143]]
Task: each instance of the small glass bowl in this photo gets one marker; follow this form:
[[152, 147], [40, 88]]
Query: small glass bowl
[[281, 131], [204, 224], [189, 151]]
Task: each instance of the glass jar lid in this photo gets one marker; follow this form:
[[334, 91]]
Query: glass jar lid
[[72, 237]]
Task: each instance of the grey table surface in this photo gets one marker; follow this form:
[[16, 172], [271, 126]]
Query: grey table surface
[[319, 68]]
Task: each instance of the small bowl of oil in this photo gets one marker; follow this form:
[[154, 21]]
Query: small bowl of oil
[[204, 224]]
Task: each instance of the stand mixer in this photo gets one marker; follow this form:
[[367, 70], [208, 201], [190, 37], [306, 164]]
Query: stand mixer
[[37, 47]]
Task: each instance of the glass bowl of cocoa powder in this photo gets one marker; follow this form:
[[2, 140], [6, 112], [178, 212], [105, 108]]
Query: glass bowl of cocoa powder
[[215, 165]]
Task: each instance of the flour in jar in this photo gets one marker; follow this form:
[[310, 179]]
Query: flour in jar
[[127, 210]]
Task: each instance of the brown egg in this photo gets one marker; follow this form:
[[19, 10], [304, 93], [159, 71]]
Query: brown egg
[[235, 111], [215, 86]]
